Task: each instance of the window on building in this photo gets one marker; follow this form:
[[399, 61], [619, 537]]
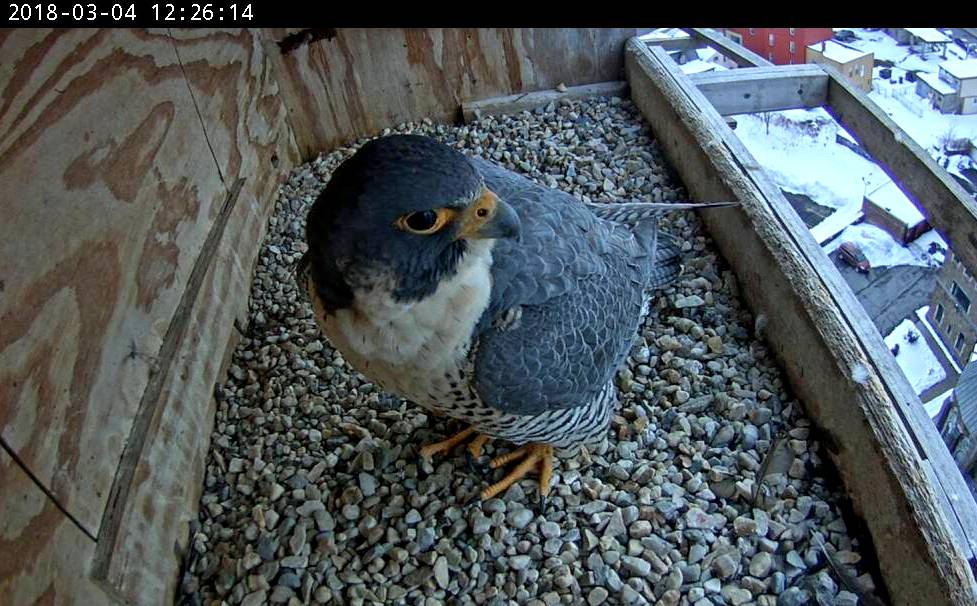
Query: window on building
[[738, 39], [790, 30], [770, 39], [958, 344], [752, 32], [939, 313], [962, 299], [790, 46]]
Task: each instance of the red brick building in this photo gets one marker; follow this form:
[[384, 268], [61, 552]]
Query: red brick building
[[780, 45]]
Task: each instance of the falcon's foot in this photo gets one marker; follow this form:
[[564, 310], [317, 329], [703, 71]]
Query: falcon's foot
[[534, 456], [474, 449]]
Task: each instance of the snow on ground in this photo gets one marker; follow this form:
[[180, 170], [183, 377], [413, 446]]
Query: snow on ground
[[915, 359], [913, 114], [800, 155], [836, 223], [934, 406], [884, 47], [881, 249], [931, 239], [925, 125]]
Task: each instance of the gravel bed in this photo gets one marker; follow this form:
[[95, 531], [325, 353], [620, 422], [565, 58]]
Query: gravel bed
[[710, 489]]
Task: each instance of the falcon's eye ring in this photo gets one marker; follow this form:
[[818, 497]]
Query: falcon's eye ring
[[482, 212], [424, 222]]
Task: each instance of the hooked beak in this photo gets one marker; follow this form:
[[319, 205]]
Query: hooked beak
[[489, 217]]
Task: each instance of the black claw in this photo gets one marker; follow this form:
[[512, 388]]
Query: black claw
[[472, 463], [543, 503], [476, 499], [476, 465]]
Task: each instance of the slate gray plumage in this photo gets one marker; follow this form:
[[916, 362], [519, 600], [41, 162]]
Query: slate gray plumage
[[561, 303], [579, 281]]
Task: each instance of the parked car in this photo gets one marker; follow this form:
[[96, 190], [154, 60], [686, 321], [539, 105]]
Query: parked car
[[851, 254], [845, 35]]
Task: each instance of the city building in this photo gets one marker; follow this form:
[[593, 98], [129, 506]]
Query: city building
[[953, 90], [779, 45], [921, 39], [854, 64], [953, 309], [957, 421], [888, 208]]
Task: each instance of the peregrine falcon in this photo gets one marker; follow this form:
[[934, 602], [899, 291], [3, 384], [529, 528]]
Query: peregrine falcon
[[481, 295]]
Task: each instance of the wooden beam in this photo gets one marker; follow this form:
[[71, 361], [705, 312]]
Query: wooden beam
[[762, 89], [825, 340], [739, 54], [947, 206], [513, 104]]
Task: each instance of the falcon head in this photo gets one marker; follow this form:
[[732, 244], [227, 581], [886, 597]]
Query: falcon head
[[403, 209]]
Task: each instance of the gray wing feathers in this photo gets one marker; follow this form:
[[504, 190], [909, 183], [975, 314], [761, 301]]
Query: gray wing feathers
[[578, 281]]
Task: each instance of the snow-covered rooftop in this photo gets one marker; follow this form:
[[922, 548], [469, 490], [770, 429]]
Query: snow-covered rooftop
[[881, 249], [706, 54], [916, 360], [934, 82], [664, 32], [929, 35], [836, 51], [698, 66], [891, 198], [961, 68], [934, 406]]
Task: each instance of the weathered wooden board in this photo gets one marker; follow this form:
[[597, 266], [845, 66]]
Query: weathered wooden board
[[916, 167], [43, 554], [750, 90], [245, 122], [363, 80], [825, 342], [511, 104], [103, 222]]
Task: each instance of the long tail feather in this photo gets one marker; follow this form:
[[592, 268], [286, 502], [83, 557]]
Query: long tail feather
[[633, 212]]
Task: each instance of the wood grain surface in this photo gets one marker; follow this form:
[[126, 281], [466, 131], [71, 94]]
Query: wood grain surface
[[138, 170], [364, 80], [43, 554], [109, 191], [237, 97]]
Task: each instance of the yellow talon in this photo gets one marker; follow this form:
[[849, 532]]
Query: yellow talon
[[539, 456], [445, 446], [475, 448]]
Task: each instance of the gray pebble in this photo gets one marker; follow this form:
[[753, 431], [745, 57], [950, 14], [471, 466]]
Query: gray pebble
[[597, 596]]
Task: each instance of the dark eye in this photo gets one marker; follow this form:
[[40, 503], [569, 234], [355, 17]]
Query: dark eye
[[421, 221]]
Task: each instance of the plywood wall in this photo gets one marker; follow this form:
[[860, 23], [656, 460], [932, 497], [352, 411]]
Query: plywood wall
[[137, 173], [136, 176], [360, 81]]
